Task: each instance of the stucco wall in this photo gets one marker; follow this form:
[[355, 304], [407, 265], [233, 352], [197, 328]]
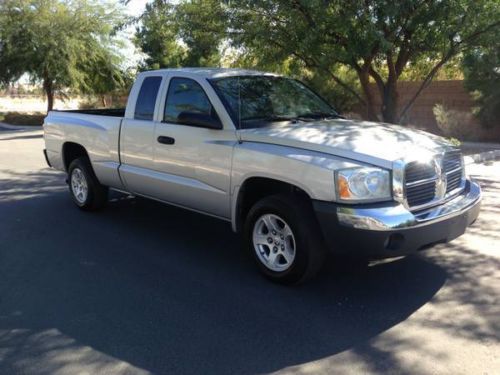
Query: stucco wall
[[451, 94]]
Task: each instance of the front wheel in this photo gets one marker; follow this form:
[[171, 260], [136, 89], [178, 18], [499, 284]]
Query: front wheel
[[283, 236], [86, 191]]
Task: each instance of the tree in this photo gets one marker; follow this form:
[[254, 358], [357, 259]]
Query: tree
[[106, 76], [62, 44], [157, 36], [201, 26], [377, 39], [482, 77], [184, 34]]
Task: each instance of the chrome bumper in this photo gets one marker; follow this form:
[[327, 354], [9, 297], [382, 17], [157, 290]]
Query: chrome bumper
[[394, 217]]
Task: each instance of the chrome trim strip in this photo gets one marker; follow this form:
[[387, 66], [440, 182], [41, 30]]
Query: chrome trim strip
[[398, 181], [422, 182], [454, 170]]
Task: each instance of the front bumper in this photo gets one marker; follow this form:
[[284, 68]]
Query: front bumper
[[387, 230]]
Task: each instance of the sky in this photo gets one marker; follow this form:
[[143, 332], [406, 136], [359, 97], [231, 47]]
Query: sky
[[135, 7]]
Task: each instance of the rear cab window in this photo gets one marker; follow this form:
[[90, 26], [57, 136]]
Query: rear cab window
[[146, 100]]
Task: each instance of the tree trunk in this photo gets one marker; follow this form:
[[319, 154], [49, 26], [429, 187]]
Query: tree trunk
[[390, 103], [364, 79], [48, 87], [103, 101], [389, 93], [50, 100]]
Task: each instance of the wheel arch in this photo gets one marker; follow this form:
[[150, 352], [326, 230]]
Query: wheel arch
[[255, 188], [72, 151]]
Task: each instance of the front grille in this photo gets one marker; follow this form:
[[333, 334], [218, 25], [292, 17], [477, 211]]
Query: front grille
[[420, 183], [421, 180], [452, 166], [417, 171]]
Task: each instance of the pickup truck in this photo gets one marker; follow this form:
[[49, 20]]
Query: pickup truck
[[270, 156]]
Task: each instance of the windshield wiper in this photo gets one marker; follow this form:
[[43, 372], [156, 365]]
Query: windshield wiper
[[271, 118], [302, 117], [319, 115]]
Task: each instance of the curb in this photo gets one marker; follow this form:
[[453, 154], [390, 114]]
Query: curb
[[20, 127], [480, 145], [482, 157]]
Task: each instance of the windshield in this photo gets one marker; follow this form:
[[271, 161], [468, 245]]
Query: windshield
[[257, 101]]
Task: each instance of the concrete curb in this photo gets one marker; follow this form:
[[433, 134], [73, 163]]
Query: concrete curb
[[20, 127], [482, 157], [485, 145]]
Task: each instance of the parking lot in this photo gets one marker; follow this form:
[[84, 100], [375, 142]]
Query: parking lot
[[142, 287]]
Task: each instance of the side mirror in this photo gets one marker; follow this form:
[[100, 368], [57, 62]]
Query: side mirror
[[201, 120]]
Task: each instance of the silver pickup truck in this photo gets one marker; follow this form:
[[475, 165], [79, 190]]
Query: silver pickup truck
[[272, 157]]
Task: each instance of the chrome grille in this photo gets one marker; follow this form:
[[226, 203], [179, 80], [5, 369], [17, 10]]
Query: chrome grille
[[452, 166], [420, 183], [424, 181]]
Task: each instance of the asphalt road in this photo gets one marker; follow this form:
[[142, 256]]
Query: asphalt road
[[145, 288]]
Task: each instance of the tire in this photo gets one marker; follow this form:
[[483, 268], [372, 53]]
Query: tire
[[295, 251], [86, 191]]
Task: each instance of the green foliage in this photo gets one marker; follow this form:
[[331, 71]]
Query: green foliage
[[201, 26], [482, 77], [378, 40], [184, 34], [338, 47], [63, 44], [157, 36], [455, 142]]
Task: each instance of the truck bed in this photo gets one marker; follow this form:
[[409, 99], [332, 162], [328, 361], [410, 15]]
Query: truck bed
[[97, 130]]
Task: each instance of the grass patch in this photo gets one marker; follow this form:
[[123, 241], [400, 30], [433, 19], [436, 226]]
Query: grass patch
[[18, 118]]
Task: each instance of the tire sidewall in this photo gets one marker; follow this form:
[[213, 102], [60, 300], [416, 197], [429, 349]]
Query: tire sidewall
[[276, 206], [80, 164]]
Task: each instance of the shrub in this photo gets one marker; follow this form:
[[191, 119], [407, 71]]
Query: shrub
[[455, 124], [17, 118], [482, 79]]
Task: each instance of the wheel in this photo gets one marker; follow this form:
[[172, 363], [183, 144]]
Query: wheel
[[86, 191], [282, 233]]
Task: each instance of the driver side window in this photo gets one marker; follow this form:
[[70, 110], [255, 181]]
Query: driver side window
[[185, 95]]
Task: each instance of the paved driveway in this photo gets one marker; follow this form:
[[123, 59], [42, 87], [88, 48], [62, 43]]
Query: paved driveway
[[142, 287]]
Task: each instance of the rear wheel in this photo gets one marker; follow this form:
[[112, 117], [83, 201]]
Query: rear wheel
[[282, 234], [86, 191]]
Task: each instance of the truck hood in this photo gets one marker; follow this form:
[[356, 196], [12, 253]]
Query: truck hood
[[369, 142]]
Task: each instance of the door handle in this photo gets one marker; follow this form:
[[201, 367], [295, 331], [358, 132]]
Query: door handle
[[165, 140]]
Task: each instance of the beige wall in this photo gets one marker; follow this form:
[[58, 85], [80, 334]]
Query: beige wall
[[451, 94]]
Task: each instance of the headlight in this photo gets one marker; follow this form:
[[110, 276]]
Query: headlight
[[363, 184]]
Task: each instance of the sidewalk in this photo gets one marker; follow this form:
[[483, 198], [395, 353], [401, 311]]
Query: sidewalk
[[482, 157], [479, 152]]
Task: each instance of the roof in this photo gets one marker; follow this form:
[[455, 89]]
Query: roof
[[216, 72]]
